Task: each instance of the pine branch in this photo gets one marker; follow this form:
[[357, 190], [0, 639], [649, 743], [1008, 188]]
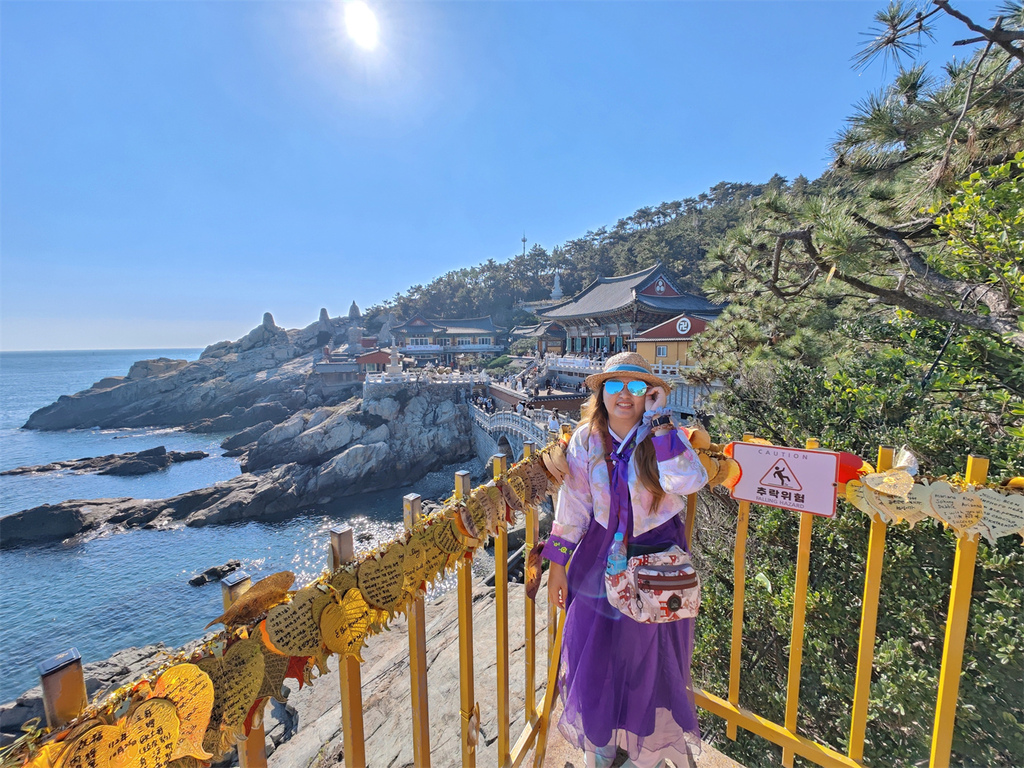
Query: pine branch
[[1004, 38]]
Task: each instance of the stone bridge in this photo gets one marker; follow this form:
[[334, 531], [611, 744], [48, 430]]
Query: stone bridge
[[505, 432]]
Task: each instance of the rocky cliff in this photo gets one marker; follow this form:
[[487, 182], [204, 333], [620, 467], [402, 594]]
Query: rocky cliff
[[311, 458], [265, 375]]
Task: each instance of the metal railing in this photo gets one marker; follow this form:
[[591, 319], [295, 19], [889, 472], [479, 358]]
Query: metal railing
[[533, 428], [537, 713]]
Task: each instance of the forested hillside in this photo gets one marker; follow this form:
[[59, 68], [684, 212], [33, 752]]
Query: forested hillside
[[679, 234]]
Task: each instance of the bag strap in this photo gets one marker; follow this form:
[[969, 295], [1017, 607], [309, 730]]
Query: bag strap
[[608, 450]]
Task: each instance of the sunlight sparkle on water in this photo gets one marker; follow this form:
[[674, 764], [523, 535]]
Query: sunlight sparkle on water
[[361, 24]]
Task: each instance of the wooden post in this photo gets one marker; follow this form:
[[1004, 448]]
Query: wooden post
[[956, 630], [868, 621], [467, 698], [63, 682], [796, 636], [252, 753], [411, 507], [343, 550]]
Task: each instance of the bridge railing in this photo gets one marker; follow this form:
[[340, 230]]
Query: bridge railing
[[533, 427]]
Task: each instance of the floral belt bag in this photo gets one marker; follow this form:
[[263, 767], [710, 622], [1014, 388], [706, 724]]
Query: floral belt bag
[[656, 587]]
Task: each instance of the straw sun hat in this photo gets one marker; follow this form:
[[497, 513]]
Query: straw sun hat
[[626, 365]]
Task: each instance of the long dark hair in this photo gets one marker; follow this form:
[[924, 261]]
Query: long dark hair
[[595, 414]]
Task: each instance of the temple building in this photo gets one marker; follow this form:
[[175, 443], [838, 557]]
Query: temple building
[[548, 336], [668, 344], [442, 340], [610, 312]]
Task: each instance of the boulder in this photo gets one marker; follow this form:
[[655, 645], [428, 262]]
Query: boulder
[[215, 573], [247, 436], [263, 376], [158, 367]]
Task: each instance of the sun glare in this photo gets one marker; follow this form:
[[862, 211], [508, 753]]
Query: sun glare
[[361, 24]]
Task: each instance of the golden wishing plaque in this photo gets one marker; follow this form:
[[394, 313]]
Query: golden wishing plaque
[[191, 691], [381, 578], [892, 482], [291, 628], [237, 677]]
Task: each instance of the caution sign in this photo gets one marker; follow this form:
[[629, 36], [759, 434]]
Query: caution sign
[[781, 476], [788, 478]]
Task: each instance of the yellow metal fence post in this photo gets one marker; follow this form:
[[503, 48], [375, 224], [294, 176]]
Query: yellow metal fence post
[[411, 507], [796, 635], [530, 613], [956, 630], [252, 753], [465, 598], [868, 622], [62, 678], [499, 464], [343, 550], [739, 575]]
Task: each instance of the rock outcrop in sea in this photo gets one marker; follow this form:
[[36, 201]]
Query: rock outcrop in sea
[[264, 376], [122, 464], [301, 448]]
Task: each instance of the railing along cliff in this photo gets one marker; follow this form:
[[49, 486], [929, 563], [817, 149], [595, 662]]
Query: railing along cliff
[[203, 702]]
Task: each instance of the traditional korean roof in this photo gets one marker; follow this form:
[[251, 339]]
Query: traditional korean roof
[[679, 328], [377, 356], [651, 288], [550, 328], [467, 325]]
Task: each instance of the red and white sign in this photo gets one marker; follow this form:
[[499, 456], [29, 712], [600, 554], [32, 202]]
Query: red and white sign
[[788, 478]]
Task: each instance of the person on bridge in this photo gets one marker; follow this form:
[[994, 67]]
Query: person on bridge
[[623, 683], [553, 424]]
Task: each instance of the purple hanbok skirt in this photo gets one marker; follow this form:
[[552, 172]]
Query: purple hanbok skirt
[[624, 683]]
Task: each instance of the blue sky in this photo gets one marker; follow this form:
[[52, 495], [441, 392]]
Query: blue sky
[[171, 170]]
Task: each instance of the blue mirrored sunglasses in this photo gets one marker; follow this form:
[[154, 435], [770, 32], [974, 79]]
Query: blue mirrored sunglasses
[[636, 388]]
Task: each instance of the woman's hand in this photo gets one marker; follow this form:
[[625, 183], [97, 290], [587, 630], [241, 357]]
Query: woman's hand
[[558, 585], [656, 398]]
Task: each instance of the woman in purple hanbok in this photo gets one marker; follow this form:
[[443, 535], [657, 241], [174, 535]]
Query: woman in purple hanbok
[[623, 683]]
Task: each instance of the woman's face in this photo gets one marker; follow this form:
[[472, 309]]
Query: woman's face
[[623, 406]]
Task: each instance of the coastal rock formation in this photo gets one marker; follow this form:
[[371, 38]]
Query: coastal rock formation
[[123, 464], [215, 573], [265, 375], [312, 458]]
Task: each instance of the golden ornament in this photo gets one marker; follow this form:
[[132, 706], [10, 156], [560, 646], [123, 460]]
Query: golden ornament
[[191, 691], [237, 677], [290, 626], [381, 579]]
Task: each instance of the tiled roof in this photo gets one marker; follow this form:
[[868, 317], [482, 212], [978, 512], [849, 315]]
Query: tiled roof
[[604, 295], [685, 303], [441, 325], [538, 330]]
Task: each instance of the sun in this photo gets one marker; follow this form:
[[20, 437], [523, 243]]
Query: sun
[[361, 24]]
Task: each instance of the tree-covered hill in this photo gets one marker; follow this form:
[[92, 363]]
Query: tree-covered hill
[[679, 234]]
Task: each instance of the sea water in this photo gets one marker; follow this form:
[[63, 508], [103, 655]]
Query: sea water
[[103, 592]]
